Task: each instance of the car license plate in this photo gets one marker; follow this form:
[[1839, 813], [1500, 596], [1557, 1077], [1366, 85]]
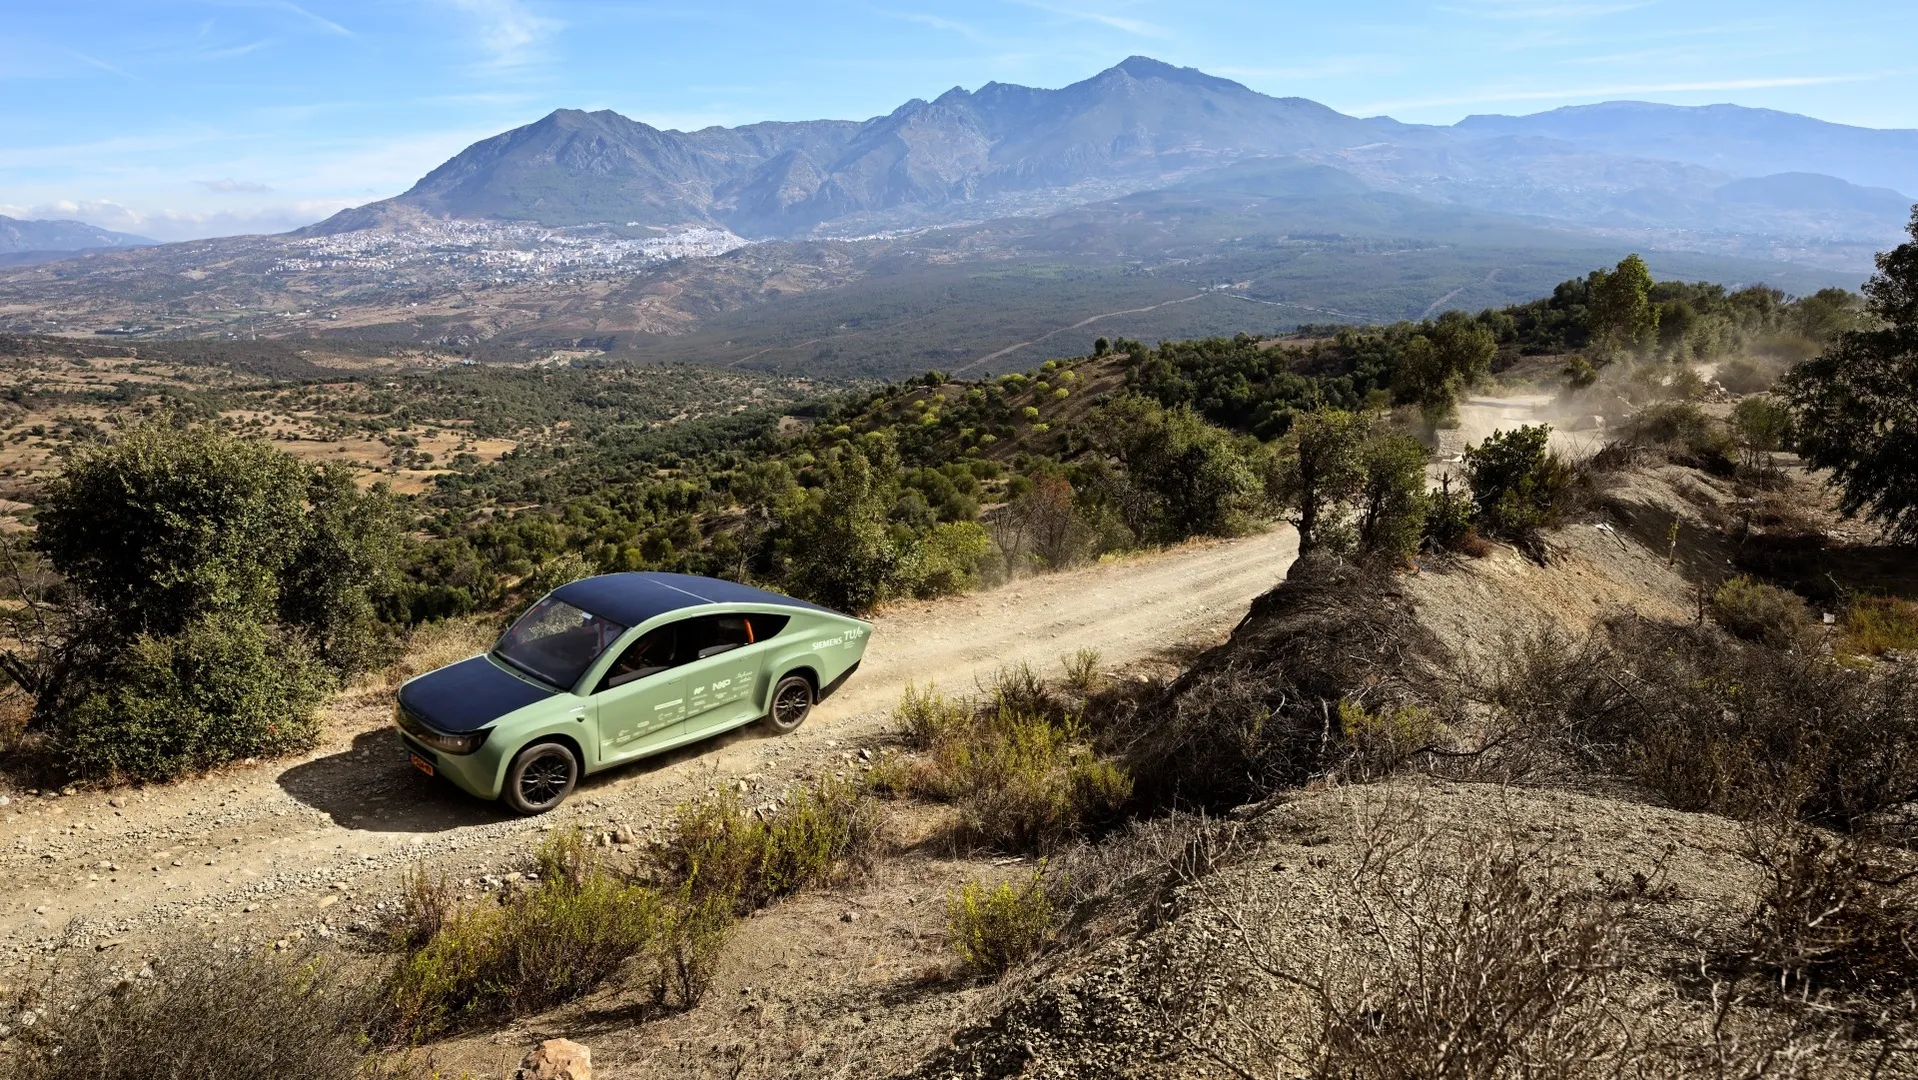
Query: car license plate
[[422, 764]]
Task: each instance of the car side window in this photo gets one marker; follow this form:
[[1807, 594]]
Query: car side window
[[654, 652], [710, 635]]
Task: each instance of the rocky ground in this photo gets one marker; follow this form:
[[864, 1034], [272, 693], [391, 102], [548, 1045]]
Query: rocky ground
[[313, 848]]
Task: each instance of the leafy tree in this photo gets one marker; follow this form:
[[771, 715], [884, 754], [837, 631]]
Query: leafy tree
[[1391, 499], [1193, 479], [1321, 470], [166, 526], [345, 563], [1622, 315], [1855, 406], [210, 585], [1761, 424], [839, 550]]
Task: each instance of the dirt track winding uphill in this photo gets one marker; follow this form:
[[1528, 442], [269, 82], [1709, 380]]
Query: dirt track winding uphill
[[260, 853]]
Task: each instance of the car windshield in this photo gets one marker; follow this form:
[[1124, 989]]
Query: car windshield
[[556, 642]]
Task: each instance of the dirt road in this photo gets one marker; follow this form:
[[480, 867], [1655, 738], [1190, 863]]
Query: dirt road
[[312, 847]]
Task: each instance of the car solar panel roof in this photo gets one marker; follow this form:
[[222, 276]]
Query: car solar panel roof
[[631, 599]]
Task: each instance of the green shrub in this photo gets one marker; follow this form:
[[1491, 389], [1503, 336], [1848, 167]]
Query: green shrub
[[924, 717], [540, 947], [1448, 521], [214, 579], [225, 688], [950, 555], [1517, 483], [993, 929], [1756, 611], [1391, 501], [692, 939]]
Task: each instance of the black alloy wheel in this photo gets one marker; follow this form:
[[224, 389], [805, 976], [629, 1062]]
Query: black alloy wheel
[[540, 778], [792, 703]]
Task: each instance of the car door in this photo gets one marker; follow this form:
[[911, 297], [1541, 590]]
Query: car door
[[641, 699], [723, 656]]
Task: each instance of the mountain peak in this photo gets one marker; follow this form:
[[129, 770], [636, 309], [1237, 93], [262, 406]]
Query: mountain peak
[[1145, 67]]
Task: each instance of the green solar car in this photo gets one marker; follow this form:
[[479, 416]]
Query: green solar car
[[610, 669]]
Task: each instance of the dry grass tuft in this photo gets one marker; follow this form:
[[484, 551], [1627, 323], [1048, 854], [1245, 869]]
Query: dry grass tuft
[[201, 1012], [1876, 625], [1017, 765], [1713, 723]]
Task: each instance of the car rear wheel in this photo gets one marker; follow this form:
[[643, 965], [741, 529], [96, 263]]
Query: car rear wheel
[[792, 703], [540, 778]]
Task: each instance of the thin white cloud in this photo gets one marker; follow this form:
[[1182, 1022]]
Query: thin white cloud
[[1612, 91], [1326, 69], [1531, 9], [233, 51], [232, 186], [101, 64], [171, 224], [320, 21], [1135, 27], [511, 33], [939, 22]]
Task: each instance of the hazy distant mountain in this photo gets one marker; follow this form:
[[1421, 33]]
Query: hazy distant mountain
[[1720, 179], [1148, 200], [38, 236], [1728, 138], [1132, 126]]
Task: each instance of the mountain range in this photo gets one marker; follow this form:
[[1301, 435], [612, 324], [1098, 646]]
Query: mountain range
[[38, 241], [979, 228], [1745, 178]]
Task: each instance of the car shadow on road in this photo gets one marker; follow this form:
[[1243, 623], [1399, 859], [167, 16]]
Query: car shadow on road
[[371, 787]]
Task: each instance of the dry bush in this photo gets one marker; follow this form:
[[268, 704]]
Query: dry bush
[[925, 716], [201, 1014], [1470, 952], [1876, 625], [1833, 913], [995, 928], [537, 948], [1082, 677], [435, 645], [1683, 434], [1713, 723], [1378, 742], [1260, 713], [693, 935], [426, 905], [720, 852], [1756, 611], [1016, 764]]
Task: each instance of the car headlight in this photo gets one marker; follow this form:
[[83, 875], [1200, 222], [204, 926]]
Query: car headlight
[[439, 740]]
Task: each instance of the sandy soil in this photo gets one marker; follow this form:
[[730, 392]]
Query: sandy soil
[[269, 852]]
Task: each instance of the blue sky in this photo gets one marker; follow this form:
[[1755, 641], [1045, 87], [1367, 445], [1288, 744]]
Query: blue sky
[[184, 118]]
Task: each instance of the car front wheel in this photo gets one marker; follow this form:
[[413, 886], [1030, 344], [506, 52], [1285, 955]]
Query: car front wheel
[[540, 778], [792, 703]]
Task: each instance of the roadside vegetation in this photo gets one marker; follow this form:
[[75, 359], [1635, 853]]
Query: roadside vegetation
[[1475, 951]]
